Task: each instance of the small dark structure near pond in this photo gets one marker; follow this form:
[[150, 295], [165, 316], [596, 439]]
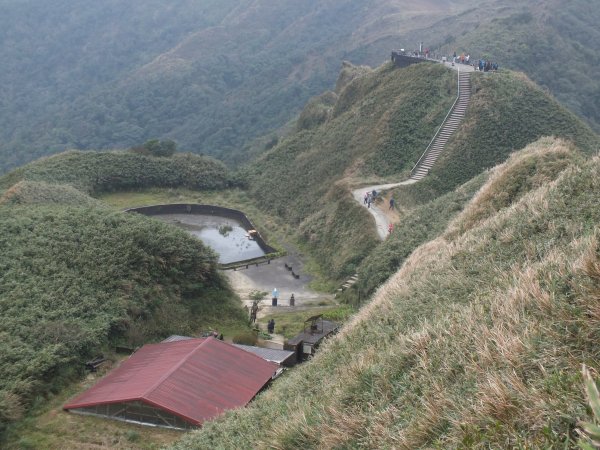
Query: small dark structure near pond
[[315, 330]]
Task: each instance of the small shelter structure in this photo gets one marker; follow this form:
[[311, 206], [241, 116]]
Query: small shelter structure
[[315, 330], [177, 384], [284, 358]]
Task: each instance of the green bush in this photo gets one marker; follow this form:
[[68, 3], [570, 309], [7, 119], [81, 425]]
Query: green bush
[[96, 172], [246, 338]]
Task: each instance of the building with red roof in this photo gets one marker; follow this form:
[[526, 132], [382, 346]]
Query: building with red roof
[[177, 384]]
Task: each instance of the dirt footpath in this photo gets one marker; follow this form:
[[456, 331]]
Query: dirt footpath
[[380, 211]]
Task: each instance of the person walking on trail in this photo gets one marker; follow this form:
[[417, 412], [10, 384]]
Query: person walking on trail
[[392, 203], [369, 202], [253, 311], [366, 197]]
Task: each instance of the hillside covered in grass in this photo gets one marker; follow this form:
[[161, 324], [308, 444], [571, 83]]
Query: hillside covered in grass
[[79, 277], [525, 171], [507, 111], [97, 172], [551, 41], [375, 124], [374, 128], [210, 74], [477, 341]]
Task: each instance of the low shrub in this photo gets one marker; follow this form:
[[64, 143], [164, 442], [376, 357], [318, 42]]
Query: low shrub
[[245, 338]]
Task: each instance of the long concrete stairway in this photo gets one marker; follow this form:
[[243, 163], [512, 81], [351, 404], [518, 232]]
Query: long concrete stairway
[[448, 127]]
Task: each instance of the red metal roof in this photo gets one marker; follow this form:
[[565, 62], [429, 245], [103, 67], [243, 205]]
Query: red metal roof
[[195, 379]]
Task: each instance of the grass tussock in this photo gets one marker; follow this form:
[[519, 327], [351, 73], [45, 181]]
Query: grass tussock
[[477, 341]]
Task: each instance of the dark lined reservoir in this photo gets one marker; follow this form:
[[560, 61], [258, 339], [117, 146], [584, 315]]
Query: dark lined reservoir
[[225, 230], [225, 236]]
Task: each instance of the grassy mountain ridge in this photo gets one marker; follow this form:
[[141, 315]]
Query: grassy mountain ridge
[[378, 125], [507, 111], [520, 174], [375, 128], [477, 341]]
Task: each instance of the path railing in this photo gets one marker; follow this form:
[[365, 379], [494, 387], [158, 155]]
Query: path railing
[[441, 126]]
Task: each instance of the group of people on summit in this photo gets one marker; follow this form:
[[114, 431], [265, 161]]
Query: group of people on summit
[[482, 65]]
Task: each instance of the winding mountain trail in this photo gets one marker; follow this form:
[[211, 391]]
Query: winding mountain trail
[[382, 220], [449, 125]]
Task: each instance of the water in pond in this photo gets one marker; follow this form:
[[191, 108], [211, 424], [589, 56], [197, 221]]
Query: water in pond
[[225, 236]]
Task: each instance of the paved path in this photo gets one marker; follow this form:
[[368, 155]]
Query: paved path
[[457, 66], [381, 220]]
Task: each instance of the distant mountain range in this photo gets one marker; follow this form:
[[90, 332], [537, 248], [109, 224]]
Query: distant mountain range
[[214, 75]]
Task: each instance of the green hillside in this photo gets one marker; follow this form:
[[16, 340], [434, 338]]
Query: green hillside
[[507, 112], [378, 125], [375, 128], [476, 342], [79, 277], [551, 41], [57, 56], [478, 309], [523, 172], [96, 172], [211, 75], [214, 75]]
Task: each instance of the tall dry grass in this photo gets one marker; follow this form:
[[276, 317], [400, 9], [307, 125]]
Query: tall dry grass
[[477, 342]]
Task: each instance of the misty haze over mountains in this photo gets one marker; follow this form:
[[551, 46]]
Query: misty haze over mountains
[[214, 75]]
